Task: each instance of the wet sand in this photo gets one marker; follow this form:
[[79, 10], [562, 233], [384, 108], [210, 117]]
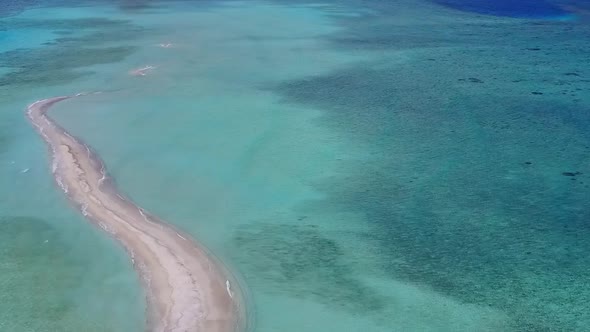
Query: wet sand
[[187, 289]]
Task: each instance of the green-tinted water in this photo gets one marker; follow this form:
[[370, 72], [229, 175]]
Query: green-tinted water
[[359, 168]]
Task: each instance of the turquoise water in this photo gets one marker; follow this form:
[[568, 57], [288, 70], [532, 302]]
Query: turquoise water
[[359, 167]]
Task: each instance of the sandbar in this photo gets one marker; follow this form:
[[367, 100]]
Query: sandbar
[[187, 288]]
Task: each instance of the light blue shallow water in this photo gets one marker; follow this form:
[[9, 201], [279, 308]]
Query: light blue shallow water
[[359, 167]]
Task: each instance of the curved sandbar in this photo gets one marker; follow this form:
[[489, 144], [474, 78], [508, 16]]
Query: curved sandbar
[[187, 290]]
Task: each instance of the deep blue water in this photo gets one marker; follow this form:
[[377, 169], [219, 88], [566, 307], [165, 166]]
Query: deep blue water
[[511, 8], [12, 7]]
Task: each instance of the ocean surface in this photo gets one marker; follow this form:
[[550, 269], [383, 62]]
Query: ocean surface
[[369, 166]]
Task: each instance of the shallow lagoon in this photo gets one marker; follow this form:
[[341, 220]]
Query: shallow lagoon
[[361, 168]]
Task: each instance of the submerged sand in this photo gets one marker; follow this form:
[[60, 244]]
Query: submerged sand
[[187, 289]]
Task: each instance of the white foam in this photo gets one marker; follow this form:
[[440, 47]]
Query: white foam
[[61, 184], [101, 180], [85, 210], [103, 226], [228, 288], [148, 219], [106, 228]]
